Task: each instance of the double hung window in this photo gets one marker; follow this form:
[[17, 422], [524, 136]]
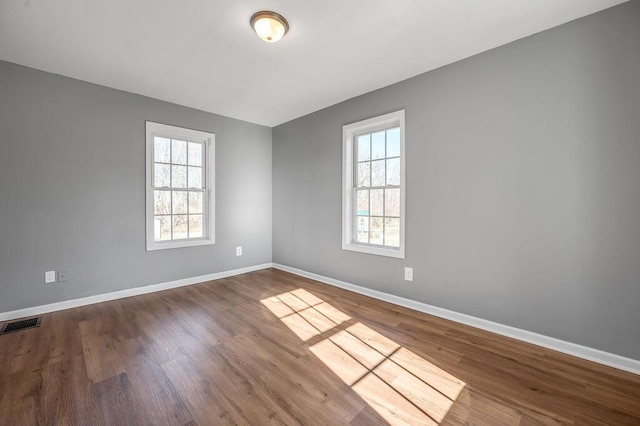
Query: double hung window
[[373, 185], [180, 207]]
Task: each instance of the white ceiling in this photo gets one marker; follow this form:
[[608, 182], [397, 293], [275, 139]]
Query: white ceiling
[[203, 53]]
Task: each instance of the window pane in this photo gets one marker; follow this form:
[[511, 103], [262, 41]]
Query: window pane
[[364, 148], [161, 202], [179, 202], [393, 142], [377, 173], [195, 154], [161, 175], [364, 174], [377, 204], [376, 236], [178, 176], [195, 177], [195, 226], [180, 224], [161, 150], [392, 232], [195, 202], [363, 202], [377, 145], [363, 229], [392, 202], [178, 152], [393, 171], [162, 228]]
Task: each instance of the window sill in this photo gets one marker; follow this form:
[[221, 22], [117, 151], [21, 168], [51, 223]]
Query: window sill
[[156, 245], [379, 251]]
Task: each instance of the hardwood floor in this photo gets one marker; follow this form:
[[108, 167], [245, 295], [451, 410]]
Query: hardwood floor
[[269, 347]]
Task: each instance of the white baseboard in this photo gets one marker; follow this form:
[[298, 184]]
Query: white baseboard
[[43, 309], [591, 354]]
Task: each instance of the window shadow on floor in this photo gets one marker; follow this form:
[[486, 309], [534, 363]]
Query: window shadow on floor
[[402, 387]]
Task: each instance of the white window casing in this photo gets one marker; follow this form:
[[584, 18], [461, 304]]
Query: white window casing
[[184, 184], [369, 152]]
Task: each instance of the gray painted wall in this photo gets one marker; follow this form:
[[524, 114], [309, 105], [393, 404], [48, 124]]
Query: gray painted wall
[[72, 190], [523, 193]]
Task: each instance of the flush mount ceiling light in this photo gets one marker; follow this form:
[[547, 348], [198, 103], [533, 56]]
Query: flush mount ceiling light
[[269, 26]]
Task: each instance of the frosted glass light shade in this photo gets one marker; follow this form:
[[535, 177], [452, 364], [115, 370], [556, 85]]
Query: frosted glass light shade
[[269, 26]]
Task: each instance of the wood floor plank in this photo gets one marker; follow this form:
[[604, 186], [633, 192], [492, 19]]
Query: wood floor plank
[[67, 401], [474, 408], [248, 400], [24, 403], [162, 338], [151, 386], [100, 352], [366, 417], [65, 337], [281, 389], [204, 399], [115, 403], [31, 349], [269, 347]]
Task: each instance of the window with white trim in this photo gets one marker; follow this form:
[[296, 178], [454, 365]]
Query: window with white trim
[[373, 193], [180, 187]]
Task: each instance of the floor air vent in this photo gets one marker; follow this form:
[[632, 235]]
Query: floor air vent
[[10, 327]]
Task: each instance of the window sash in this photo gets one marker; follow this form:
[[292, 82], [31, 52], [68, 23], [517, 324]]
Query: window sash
[[188, 213], [203, 145], [171, 188], [355, 188]]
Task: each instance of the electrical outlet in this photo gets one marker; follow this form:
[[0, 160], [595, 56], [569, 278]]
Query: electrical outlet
[[408, 274], [50, 277], [63, 276], [238, 251]]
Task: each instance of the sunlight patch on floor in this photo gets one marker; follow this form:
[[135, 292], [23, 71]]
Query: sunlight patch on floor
[[305, 314], [402, 387]]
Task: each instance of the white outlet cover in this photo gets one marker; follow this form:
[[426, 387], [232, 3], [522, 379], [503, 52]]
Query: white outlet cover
[[408, 274], [50, 277], [238, 251]]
